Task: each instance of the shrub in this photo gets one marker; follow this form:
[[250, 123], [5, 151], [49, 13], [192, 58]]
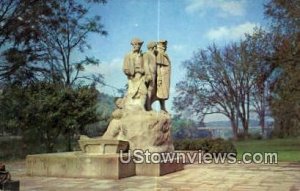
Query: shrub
[[11, 148], [256, 136], [182, 144], [221, 146], [218, 145]]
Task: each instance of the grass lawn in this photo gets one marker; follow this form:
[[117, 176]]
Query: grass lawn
[[288, 149]]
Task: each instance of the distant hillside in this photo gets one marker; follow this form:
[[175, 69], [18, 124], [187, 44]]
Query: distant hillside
[[105, 108], [106, 104], [253, 123]]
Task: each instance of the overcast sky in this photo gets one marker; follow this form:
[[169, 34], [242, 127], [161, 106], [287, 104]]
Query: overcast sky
[[188, 25]]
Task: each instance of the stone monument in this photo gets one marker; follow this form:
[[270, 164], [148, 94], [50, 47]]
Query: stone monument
[[145, 130], [134, 125]]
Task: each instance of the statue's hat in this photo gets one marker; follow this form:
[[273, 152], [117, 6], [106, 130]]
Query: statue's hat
[[151, 44], [136, 41], [162, 42]]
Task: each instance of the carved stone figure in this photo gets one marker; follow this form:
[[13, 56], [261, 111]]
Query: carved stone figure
[[144, 130], [163, 73], [150, 73], [115, 126], [148, 76], [133, 67]]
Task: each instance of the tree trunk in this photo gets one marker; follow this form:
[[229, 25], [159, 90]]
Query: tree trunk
[[248, 112], [50, 146], [234, 128], [69, 134], [262, 113], [262, 122], [246, 128]]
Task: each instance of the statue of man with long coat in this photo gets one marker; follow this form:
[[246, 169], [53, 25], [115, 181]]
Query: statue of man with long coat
[[134, 69], [163, 73]]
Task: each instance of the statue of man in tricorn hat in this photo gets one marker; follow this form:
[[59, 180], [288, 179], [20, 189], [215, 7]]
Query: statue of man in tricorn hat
[[163, 74], [151, 69], [134, 69], [148, 75]]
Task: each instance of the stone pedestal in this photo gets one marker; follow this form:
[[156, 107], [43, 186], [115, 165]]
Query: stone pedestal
[[108, 166], [158, 169], [99, 158], [102, 146], [79, 165]]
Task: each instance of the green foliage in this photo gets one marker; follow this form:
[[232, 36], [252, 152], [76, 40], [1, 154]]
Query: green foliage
[[44, 111], [182, 128], [11, 148], [206, 145], [285, 100], [38, 40], [43, 92], [187, 128], [17, 147], [182, 144]]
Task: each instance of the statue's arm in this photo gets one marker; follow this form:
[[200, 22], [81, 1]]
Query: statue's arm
[[162, 59], [126, 67], [147, 65]]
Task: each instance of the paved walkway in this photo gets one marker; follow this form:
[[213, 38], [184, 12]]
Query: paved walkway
[[284, 176]]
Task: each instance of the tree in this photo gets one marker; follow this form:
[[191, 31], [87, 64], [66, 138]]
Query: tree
[[285, 99], [67, 33], [284, 15], [11, 104], [261, 46], [19, 19], [20, 27], [260, 71], [225, 80], [207, 88], [38, 42], [46, 111], [239, 61], [47, 42]]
